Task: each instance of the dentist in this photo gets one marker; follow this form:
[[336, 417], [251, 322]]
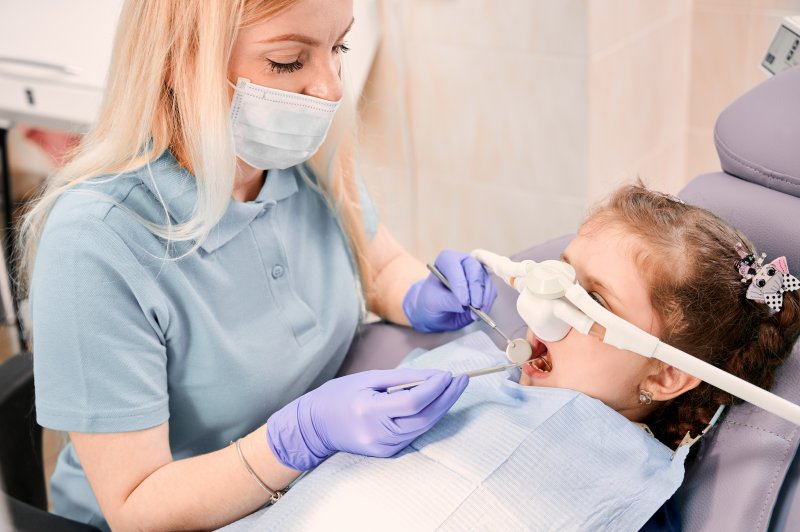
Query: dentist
[[198, 268]]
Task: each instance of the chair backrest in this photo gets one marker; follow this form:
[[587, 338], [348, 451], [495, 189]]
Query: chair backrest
[[744, 477]]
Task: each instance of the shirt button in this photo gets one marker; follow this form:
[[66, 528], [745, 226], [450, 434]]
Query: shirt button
[[277, 271]]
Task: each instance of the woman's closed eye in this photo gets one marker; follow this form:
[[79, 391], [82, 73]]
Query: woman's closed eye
[[284, 68], [288, 68]]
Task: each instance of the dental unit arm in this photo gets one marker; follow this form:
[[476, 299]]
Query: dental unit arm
[[551, 302]]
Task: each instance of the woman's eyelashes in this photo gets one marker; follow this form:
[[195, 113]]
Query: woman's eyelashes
[[284, 68], [288, 68]]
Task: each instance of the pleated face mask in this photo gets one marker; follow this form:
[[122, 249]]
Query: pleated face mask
[[277, 129]]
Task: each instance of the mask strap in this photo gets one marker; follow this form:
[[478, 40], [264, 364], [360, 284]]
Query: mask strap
[[234, 85]]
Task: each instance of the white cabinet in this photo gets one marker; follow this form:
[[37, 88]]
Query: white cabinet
[[54, 55]]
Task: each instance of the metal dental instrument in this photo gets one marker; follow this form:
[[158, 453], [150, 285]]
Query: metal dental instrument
[[474, 373], [518, 350]]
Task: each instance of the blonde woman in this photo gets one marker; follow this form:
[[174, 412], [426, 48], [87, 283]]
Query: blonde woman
[[193, 273]]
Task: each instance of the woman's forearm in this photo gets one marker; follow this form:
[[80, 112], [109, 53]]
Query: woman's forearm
[[391, 284], [206, 491], [393, 271]]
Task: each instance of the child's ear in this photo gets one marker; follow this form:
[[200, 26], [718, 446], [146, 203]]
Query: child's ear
[[669, 383]]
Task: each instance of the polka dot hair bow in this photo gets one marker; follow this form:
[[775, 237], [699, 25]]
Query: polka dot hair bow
[[768, 281]]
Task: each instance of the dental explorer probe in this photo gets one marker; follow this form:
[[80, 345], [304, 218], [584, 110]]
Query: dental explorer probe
[[474, 373], [518, 350]]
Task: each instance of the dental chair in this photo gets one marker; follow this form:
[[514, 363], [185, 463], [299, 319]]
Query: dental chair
[[747, 470]]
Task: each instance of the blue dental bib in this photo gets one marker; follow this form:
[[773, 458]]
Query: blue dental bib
[[506, 457]]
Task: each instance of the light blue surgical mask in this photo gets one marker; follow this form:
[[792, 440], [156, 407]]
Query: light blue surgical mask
[[277, 129]]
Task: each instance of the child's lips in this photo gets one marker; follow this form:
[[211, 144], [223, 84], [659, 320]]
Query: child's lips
[[540, 362]]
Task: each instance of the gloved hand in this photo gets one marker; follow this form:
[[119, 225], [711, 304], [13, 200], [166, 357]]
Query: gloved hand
[[356, 415], [431, 307]]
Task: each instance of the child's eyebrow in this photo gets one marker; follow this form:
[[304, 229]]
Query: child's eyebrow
[[590, 280]]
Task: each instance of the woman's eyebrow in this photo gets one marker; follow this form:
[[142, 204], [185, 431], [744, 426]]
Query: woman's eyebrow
[[304, 38]]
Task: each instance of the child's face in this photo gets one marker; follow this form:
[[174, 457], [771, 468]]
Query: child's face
[[603, 261]]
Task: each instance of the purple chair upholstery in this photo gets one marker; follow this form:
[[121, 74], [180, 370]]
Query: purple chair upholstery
[[746, 474]]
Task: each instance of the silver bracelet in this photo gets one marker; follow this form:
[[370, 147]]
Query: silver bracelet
[[274, 496]]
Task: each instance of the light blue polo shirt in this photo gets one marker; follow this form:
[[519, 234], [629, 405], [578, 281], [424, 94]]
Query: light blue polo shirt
[[214, 343]]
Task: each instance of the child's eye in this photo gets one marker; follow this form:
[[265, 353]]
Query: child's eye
[[341, 48], [597, 297]]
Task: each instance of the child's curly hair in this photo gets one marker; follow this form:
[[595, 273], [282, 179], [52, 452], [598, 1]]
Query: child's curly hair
[[689, 257]]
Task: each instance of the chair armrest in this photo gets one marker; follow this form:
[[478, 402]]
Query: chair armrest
[[26, 518], [21, 444]]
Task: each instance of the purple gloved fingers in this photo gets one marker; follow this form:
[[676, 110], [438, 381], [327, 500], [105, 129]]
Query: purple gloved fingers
[[354, 414], [427, 417], [411, 401], [449, 264], [381, 379], [429, 306], [477, 279], [432, 307]]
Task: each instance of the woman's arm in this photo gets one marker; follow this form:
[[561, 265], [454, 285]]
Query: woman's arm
[[394, 270], [140, 487]]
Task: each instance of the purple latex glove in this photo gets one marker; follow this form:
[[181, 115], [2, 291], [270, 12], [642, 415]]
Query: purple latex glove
[[431, 307], [356, 415]]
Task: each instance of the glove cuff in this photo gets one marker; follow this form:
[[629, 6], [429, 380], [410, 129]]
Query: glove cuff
[[287, 441]]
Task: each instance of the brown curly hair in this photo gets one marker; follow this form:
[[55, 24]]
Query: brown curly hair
[[690, 259]]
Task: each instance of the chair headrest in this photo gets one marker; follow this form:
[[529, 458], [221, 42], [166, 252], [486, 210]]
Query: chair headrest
[[756, 136]]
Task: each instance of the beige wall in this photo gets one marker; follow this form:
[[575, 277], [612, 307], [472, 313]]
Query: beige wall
[[729, 39], [495, 124], [638, 61], [475, 123]]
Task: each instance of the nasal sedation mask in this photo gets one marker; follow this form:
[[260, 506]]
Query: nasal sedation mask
[[551, 302]]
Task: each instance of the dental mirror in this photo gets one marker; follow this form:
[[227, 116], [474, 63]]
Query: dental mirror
[[518, 350]]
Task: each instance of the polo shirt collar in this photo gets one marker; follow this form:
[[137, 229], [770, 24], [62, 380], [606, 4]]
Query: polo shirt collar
[[178, 189]]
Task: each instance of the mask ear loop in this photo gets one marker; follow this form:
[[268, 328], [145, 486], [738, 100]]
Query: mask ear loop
[[236, 85]]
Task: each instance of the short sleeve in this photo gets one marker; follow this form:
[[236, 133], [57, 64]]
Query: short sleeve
[[100, 361]]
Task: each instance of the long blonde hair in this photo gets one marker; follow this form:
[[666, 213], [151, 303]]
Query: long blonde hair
[[167, 89]]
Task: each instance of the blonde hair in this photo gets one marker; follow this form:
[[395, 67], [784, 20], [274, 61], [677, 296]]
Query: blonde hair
[[167, 89]]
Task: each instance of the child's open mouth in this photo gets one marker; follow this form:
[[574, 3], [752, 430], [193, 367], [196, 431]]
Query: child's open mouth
[[540, 361]]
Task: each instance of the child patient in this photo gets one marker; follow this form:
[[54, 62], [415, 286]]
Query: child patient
[[676, 271], [595, 442]]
